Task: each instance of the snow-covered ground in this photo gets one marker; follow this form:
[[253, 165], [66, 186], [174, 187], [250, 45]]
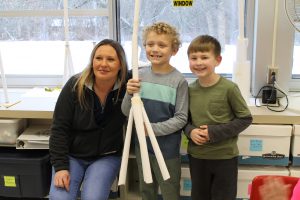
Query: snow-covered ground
[[47, 58]]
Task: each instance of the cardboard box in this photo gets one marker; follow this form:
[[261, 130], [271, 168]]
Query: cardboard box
[[185, 181], [10, 129], [247, 173], [25, 173], [265, 145], [295, 146]]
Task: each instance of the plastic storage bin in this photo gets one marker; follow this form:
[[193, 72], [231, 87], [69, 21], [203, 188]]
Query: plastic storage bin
[[295, 147], [265, 145], [24, 173], [247, 173], [10, 129]]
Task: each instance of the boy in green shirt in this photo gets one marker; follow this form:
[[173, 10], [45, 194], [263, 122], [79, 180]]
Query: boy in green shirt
[[218, 113]]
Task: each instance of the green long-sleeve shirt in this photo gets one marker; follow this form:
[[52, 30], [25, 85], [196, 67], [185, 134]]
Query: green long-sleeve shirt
[[226, 113]]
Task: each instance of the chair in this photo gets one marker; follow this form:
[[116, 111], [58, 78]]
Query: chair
[[259, 181]]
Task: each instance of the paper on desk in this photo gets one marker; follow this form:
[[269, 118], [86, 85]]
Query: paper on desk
[[9, 104], [41, 93]]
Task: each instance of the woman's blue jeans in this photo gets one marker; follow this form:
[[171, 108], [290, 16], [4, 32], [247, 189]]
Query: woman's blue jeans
[[95, 176]]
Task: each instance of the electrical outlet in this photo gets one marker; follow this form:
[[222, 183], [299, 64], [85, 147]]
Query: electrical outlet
[[269, 74]]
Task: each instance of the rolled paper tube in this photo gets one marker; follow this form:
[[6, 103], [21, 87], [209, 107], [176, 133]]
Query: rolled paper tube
[[69, 68], [135, 40], [138, 114], [242, 78], [3, 79], [137, 105], [241, 6], [160, 159], [241, 67], [241, 49], [274, 34], [66, 20], [125, 155]]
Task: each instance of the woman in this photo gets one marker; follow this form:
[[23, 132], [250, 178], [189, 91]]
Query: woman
[[87, 132]]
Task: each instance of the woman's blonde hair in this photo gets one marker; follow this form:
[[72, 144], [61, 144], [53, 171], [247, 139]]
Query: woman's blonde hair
[[87, 76], [163, 28]]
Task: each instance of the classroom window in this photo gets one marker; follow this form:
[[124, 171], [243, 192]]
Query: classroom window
[[32, 37], [218, 18], [32, 33]]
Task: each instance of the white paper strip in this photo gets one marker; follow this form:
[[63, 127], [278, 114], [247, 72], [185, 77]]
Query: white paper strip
[[137, 106], [241, 67], [135, 73], [160, 159], [241, 7], [66, 20], [3, 79], [274, 34], [68, 65], [68, 68], [126, 151]]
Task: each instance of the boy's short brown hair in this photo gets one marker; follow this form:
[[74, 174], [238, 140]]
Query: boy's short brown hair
[[205, 43], [163, 28]]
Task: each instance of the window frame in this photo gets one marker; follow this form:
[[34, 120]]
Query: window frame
[[259, 31], [262, 41], [29, 81]]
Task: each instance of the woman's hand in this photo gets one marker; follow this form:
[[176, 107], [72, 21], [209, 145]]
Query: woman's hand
[[62, 179], [133, 86]]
